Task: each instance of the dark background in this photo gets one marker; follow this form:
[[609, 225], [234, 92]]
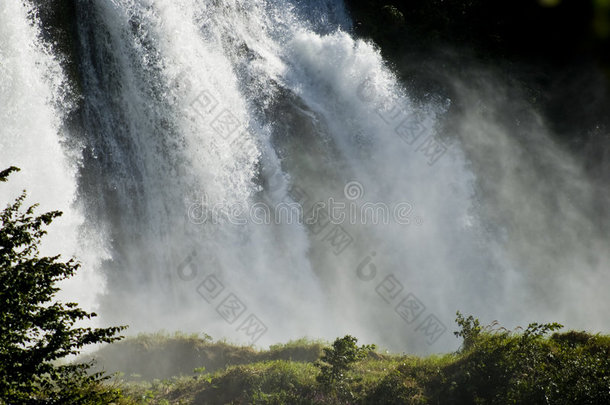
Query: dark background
[[557, 51]]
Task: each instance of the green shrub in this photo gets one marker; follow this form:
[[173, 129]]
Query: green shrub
[[504, 367], [335, 363], [36, 330], [493, 366]]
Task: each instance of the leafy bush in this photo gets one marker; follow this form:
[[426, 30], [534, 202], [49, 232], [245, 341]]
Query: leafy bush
[[493, 366], [336, 361], [397, 389], [272, 382], [504, 367], [36, 330]]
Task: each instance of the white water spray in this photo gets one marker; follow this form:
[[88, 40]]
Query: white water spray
[[190, 104], [33, 101]]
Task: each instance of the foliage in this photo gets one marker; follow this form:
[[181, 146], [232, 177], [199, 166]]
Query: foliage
[[147, 357], [496, 366], [36, 330], [397, 388], [470, 330], [270, 382], [337, 360]]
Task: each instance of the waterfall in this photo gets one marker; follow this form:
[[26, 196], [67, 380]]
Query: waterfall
[[252, 171], [34, 99]]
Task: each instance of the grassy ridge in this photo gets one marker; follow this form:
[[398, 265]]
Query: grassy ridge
[[147, 357], [537, 365]]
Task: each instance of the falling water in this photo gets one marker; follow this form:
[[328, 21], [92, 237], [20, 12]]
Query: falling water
[[34, 99], [200, 118]]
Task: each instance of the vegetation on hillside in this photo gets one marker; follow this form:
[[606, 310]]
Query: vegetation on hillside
[[148, 357], [537, 365]]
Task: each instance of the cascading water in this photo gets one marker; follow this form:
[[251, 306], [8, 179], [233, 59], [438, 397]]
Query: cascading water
[[34, 98], [205, 122]]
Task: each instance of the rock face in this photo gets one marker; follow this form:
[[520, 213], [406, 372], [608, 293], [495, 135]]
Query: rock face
[[58, 22], [538, 29], [558, 51]]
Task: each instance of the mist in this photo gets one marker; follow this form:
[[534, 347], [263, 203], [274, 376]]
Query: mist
[[209, 142]]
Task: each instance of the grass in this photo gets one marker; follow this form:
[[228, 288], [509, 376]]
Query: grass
[[148, 357], [538, 365]]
